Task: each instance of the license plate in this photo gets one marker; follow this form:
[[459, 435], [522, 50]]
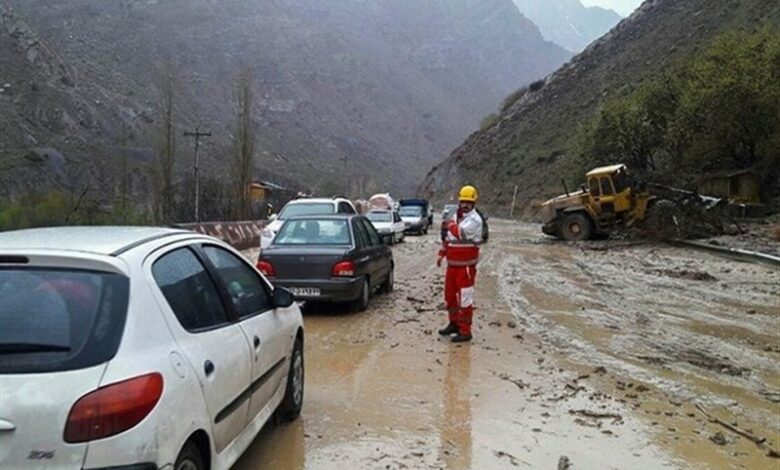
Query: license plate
[[305, 291]]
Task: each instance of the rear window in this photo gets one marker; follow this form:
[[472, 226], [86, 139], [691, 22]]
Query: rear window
[[410, 211], [307, 208], [59, 319], [313, 232], [379, 216]]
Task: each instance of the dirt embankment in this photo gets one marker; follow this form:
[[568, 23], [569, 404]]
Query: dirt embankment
[[592, 356]]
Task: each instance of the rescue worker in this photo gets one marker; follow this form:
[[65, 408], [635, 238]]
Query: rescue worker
[[461, 249]]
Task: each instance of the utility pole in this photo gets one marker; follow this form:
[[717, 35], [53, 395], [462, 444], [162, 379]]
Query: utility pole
[[346, 177], [514, 199], [197, 135]]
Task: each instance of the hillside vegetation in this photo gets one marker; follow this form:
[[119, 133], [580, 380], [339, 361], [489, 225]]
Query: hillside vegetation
[[717, 110], [536, 137]]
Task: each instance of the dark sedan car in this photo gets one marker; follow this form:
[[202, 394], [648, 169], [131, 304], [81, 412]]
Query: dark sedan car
[[332, 258]]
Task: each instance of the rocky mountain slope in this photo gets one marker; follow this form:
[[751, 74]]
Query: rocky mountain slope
[[529, 144], [390, 85], [568, 23]]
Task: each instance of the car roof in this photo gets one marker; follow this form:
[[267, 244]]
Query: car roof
[[104, 240], [323, 216], [317, 200]]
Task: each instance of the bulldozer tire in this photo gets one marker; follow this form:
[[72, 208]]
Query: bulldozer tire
[[576, 227]]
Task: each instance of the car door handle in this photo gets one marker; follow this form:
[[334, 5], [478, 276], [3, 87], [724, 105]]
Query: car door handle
[[208, 367], [256, 342], [364, 259]]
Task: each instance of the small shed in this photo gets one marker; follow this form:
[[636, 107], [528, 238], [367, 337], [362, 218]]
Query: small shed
[[738, 186], [259, 191]]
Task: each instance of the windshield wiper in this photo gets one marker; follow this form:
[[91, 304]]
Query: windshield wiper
[[25, 348]]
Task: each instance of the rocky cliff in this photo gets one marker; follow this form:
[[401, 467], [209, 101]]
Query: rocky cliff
[[568, 23], [363, 93]]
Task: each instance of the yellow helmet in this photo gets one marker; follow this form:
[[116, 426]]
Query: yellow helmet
[[468, 193]]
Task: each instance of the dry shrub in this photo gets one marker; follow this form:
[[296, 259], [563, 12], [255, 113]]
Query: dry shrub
[[775, 231]]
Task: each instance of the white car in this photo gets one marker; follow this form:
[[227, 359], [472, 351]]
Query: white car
[[307, 206], [139, 348], [388, 224]]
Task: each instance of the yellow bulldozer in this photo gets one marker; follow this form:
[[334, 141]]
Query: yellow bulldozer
[[610, 199]]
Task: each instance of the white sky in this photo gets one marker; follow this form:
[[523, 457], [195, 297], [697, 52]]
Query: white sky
[[624, 7]]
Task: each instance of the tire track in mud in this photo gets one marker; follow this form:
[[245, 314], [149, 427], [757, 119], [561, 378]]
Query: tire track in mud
[[691, 327]]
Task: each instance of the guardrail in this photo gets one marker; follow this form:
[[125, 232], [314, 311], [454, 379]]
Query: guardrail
[[733, 253], [241, 235]]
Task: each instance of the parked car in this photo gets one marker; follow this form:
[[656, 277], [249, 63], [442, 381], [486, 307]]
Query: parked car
[[388, 224], [337, 258], [415, 219], [139, 347], [427, 208], [305, 206], [449, 212]]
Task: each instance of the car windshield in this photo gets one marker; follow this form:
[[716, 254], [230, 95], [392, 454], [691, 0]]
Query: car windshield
[[57, 319], [410, 211], [379, 216], [307, 208], [314, 232]]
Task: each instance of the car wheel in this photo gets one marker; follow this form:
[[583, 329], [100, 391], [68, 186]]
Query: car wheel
[[392, 239], [292, 402], [189, 458], [576, 227], [389, 284], [361, 304], [425, 230]]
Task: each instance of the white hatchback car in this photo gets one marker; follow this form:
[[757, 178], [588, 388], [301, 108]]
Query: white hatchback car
[[305, 206], [389, 224], [139, 348]]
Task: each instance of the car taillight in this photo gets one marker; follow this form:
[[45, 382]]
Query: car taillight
[[113, 409], [343, 269], [266, 268]]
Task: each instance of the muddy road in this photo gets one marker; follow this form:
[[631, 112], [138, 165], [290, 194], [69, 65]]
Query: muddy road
[[599, 355]]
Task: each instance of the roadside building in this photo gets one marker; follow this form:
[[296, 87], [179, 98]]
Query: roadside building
[[738, 186]]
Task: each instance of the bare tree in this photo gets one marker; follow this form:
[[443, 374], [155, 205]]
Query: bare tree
[[243, 156], [166, 142]]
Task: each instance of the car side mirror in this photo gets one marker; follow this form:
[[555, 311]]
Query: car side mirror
[[282, 298], [272, 217], [387, 239]]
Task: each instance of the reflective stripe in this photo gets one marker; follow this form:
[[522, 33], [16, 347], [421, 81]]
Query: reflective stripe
[[472, 262]]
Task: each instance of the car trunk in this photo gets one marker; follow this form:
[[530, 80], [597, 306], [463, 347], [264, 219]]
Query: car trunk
[[33, 416], [304, 262]]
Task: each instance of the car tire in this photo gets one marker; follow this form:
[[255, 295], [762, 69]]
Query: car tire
[[361, 303], [392, 239], [291, 405], [425, 230], [389, 284], [189, 458], [576, 227]]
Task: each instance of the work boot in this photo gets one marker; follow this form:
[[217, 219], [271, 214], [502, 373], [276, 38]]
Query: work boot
[[461, 338], [449, 329]]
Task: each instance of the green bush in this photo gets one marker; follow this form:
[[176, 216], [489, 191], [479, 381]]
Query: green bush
[[489, 121], [513, 98], [55, 208]]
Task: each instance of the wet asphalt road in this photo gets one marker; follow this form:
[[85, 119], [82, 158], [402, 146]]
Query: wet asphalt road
[[595, 353]]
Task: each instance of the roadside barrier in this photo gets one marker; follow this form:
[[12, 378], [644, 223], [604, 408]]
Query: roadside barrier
[[241, 235], [733, 253]]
